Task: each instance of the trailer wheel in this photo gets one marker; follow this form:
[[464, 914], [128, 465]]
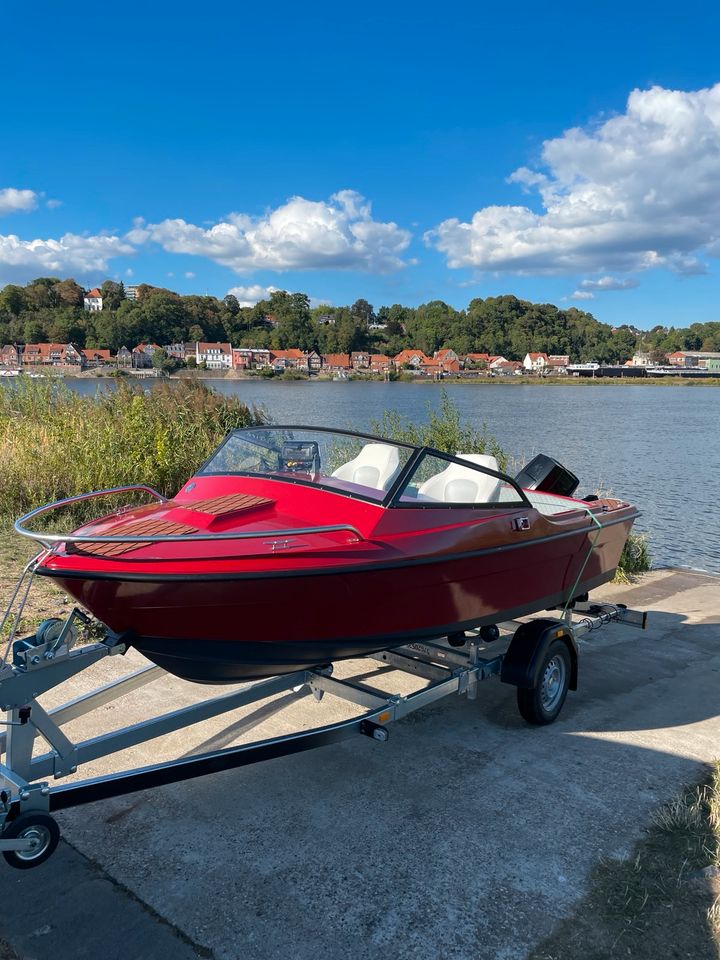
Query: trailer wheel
[[38, 827], [542, 703]]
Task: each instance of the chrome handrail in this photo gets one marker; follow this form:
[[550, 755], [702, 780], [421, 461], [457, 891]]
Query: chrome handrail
[[48, 539]]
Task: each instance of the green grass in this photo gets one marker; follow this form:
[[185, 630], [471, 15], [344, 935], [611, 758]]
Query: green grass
[[55, 443], [635, 558]]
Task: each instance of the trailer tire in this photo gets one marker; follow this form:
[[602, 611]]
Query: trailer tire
[[542, 703], [42, 828]]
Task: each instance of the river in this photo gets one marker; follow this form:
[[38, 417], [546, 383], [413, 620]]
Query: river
[[658, 447]]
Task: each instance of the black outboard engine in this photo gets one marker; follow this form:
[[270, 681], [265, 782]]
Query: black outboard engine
[[548, 476]]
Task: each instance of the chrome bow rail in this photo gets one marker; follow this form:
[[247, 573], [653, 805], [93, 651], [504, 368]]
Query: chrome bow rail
[[49, 539]]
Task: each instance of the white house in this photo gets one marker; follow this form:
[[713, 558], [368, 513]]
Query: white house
[[93, 300], [215, 356], [536, 362]]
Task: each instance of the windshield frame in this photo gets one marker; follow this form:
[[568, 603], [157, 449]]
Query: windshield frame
[[392, 495]]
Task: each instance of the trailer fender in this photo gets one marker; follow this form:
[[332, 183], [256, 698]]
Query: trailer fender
[[521, 664]]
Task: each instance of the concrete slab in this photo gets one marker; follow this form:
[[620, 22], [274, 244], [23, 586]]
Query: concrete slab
[[469, 834]]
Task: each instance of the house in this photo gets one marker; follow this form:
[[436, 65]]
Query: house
[[642, 360], [52, 354], [96, 358], [215, 356], [494, 362], [287, 359], [410, 358], [535, 362], [131, 291], [124, 357], [692, 358], [250, 358], [142, 355], [558, 363], [10, 355], [431, 368], [179, 351], [359, 360], [93, 300], [445, 355], [312, 362], [326, 319], [507, 368], [379, 362], [336, 362]]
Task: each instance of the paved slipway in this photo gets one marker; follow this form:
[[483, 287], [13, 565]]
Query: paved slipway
[[469, 834]]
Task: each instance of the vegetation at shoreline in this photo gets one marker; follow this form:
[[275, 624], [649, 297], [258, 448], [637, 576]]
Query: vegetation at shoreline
[[635, 558], [55, 443], [444, 429], [50, 309]]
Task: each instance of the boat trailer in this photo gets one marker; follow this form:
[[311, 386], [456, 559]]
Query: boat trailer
[[540, 660]]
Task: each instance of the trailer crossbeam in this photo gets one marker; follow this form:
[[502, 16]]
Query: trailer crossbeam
[[448, 665]]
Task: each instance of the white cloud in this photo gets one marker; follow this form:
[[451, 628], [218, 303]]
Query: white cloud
[[609, 283], [23, 259], [582, 295], [189, 275], [53, 204], [637, 191], [252, 294], [301, 234], [17, 201]]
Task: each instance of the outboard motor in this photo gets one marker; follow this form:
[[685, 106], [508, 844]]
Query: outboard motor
[[548, 476]]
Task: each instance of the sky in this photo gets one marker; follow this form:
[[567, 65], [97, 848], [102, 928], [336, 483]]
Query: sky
[[400, 152]]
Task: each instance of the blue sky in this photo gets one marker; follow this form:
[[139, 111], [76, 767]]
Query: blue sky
[[165, 143]]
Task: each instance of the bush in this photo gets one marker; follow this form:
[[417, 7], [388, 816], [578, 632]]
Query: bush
[[55, 443], [634, 559], [444, 430]]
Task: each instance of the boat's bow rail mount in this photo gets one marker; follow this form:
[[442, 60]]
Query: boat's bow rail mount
[[540, 660], [53, 540]]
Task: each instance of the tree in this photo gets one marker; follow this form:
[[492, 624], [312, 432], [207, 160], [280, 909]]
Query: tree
[[231, 304], [196, 334], [68, 293], [13, 299], [113, 294], [363, 311], [295, 327], [161, 361]]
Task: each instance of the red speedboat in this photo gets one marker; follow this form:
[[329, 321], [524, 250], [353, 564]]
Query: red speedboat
[[292, 547]]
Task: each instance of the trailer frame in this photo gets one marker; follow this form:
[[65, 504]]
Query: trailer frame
[[541, 661]]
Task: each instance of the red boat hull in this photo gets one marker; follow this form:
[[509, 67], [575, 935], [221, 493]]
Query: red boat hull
[[227, 625]]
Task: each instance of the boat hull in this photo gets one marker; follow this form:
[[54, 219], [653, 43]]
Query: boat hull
[[230, 628]]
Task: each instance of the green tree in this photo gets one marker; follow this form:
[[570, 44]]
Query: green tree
[[13, 299], [113, 294]]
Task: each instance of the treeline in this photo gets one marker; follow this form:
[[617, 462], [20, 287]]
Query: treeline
[[50, 309]]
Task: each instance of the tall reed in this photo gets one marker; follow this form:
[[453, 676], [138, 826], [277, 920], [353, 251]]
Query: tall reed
[[55, 443]]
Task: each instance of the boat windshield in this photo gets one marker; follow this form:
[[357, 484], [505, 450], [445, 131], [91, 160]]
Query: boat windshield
[[343, 462]]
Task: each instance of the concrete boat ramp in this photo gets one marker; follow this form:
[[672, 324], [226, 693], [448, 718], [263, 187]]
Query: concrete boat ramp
[[468, 835]]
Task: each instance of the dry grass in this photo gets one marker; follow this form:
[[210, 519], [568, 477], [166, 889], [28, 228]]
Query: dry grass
[[657, 904]]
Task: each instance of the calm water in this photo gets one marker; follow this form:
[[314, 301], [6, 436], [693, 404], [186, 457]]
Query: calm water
[[658, 447]]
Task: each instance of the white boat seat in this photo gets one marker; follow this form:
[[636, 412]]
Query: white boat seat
[[367, 476], [380, 458], [457, 484]]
